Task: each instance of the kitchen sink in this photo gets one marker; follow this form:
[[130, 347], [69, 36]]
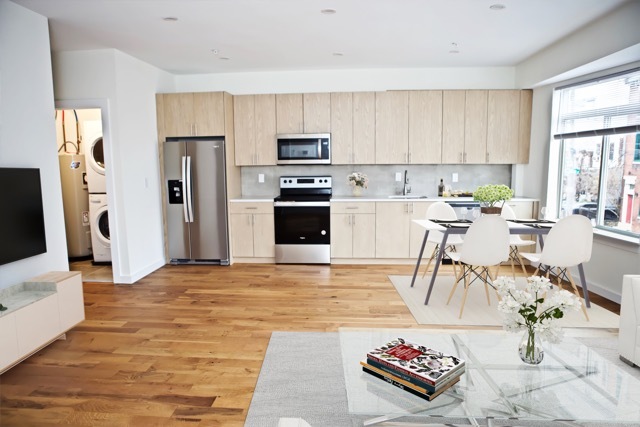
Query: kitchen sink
[[408, 196]]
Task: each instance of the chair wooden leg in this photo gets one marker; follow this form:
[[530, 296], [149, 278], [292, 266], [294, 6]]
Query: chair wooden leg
[[486, 284], [513, 267], [524, 270], [575, 291], [455, 285], [464, 296], [492, 278], [433, 254]]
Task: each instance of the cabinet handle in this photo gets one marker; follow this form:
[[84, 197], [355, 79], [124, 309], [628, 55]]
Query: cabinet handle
[[251, 207], [349, 219], [253, 219], [409, 157], [352, 207], [487, 157], [353, 222], [465, 157], [460, 157], [411, 208]]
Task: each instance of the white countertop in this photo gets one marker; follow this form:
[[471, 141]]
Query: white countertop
[[381, 198]]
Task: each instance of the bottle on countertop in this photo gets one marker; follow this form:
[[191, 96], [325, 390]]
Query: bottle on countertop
[[440, 188]]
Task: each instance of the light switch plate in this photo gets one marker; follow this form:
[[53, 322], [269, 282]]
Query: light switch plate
[[454, 177], [261, 177], [398, 176]]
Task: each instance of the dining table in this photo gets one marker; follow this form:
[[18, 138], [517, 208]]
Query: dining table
[[539, 227]]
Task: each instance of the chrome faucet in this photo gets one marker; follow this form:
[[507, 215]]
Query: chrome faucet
[[406, 188]]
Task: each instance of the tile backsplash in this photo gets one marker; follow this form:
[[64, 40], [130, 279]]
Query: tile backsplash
[[423, 179]]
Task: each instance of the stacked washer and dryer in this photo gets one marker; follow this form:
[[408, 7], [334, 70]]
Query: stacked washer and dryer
[[98, 205]]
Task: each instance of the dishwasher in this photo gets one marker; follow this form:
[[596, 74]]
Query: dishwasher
[[465, 209]]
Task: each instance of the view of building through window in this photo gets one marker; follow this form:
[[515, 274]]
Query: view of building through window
[[598, 127]]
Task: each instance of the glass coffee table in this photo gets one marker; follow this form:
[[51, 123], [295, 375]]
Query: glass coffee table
[[572, 385]]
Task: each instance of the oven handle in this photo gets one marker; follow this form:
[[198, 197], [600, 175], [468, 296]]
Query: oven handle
[[300, 204]]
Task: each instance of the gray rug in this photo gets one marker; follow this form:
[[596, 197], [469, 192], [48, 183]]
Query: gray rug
[[302, 382]]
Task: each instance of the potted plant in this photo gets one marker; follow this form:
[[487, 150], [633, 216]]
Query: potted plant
[[358, 181], [492, 197]]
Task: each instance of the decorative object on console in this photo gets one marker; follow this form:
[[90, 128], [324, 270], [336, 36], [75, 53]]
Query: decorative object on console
[[492, 197], [358, 181], [528, 310]]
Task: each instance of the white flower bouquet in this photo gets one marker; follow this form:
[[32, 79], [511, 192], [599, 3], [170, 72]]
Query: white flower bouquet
[[492, 194], [358, 179], [531, 310]]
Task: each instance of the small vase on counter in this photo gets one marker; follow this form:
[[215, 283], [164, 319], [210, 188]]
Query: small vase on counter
[[357, 191]]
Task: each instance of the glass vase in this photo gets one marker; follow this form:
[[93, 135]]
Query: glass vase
[[530, 348]]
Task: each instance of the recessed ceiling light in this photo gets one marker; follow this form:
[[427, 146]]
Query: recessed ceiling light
[[215, 51], [170, 19], [338, 54], [497, 6], [328, 11], [224, 58]]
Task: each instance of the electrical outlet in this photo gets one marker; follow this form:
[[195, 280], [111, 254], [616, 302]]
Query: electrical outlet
[[398, 176], [454, 177], [260, 177]]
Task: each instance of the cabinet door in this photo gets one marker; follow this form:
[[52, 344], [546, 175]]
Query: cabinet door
[[265, 128], [418, 211], [453, 144], [208, 114], [341, 128], [392, 127], [244, 121], [9, 340], [241, 234], [364, 235], [341, 235], [392, 229], [71, 302], [316, 112], [364, 125], [37, 324], [524, 128], [264, 240], [475, 126], [502, 126], [425, 126], [289, 116], [178, 114]]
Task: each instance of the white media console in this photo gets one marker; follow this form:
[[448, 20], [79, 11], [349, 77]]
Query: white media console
[[39, 311]]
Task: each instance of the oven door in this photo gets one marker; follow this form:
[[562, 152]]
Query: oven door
[[302, 223]]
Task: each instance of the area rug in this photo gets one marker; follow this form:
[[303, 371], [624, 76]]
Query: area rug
[[302, 382], [476, 310]]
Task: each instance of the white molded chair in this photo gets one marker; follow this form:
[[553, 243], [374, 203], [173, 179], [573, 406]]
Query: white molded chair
[[567, 245], [515, 242], [486, 244], [441, 211]]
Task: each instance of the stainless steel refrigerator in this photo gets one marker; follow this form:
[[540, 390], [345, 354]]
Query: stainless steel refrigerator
[[194, 169]]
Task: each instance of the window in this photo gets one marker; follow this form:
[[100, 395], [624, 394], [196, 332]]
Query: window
[[597, 124]]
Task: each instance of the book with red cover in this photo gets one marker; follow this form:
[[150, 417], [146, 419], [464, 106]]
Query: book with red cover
[[423, 363]]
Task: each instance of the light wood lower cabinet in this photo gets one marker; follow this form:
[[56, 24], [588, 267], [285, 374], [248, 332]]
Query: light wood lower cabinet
[[396, 235], [353, 230], [252, 230]]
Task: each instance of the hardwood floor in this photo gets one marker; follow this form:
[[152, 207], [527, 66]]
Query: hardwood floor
[[184, 345]]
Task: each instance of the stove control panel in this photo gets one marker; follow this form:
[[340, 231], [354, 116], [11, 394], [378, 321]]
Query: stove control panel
[[310, 182]]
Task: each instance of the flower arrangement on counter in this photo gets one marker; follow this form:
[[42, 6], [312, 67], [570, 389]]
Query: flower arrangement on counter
[[492, 194], [532, 311], [358, 179]]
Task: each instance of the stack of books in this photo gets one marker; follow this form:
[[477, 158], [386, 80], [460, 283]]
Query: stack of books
[[422, 371]]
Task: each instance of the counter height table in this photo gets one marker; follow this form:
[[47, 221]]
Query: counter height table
[[533, 226]]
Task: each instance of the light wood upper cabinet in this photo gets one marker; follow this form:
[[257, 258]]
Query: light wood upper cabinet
[[194, 114], [341, 128], [392, 127], [316, 112], [453, 122], [289, 113], [503, 126], [364, 125], [475, 126], [425, 126], [254, 129], [352, 128], [524, 128]]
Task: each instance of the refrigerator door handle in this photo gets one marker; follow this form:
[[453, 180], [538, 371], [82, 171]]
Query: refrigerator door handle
[[184, 189], [189, 200]]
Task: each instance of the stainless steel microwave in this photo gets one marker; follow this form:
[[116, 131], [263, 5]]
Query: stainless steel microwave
[[304, 149]]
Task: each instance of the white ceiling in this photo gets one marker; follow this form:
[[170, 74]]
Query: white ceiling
[[275, 35]]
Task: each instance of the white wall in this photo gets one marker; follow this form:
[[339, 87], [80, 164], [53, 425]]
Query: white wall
[[349, 80], [27, 121], [125, 88]]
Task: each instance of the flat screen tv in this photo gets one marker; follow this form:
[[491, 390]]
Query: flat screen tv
[[21, 215]]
